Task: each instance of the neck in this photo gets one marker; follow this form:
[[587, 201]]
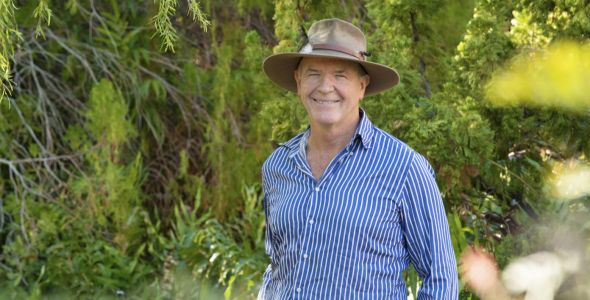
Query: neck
[[331, 139]]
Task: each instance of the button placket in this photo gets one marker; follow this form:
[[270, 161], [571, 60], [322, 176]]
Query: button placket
[[307, 232]]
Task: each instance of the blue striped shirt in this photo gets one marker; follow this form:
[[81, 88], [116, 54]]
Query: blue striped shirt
[[375, 209]]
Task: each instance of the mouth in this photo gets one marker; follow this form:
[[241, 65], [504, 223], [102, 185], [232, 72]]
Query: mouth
[[326, 101]]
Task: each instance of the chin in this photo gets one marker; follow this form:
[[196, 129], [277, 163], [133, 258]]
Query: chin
[[327, 119]]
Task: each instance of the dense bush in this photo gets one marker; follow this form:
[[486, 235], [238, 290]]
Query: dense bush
[[132, 172]]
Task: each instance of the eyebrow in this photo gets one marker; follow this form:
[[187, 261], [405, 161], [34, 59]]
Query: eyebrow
[[314, 70]]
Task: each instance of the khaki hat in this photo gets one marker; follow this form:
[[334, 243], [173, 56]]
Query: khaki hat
[[332, 38]]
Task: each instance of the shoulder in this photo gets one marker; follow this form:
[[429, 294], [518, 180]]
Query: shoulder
[[280, 155], [385, 140]]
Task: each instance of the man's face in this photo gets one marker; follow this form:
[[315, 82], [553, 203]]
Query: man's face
[[330, 90]]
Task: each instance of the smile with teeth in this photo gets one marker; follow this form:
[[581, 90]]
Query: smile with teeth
[[326, 101]]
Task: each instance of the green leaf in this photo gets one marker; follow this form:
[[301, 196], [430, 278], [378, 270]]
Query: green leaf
[[534, 164], [34, 150], [227, 293]]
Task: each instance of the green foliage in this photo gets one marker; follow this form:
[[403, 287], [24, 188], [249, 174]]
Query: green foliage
[[8, 32], [43, 12], [132, 172], [163, 23], [197, 14], [107, 113]]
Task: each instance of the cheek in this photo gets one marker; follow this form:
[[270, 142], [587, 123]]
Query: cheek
[[352, 94], [307, 87]]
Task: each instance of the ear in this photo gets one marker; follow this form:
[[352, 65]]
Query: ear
[[364, 83], [297, 80]]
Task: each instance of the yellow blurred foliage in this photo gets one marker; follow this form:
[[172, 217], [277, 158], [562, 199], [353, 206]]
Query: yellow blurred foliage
[[574, 182], [558, 76]]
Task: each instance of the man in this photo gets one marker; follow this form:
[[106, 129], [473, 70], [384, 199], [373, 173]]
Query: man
[[347, 205]]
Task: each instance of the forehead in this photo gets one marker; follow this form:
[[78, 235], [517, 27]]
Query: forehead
[[326, 63]]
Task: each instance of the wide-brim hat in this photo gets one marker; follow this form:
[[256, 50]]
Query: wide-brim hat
[[331, 38]]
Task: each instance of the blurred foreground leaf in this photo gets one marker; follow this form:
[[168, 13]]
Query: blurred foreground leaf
[[556, 77]]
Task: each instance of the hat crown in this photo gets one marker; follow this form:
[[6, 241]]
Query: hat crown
[[337, 32]]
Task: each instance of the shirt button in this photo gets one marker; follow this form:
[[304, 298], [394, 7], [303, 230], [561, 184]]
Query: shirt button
[[317, 189], [310, 221], [298, 290], [304, 255], [349, 153]]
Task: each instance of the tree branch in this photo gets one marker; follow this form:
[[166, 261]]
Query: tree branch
[[522, 180], [422, 64], [46, 159]]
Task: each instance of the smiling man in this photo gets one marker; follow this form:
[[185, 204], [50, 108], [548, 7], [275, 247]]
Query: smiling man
[[348, 206]]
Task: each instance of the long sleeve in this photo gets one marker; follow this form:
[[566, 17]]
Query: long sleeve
[[427, 233], [267, 277]]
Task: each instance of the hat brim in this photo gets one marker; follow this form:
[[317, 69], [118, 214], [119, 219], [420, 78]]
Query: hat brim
[[280, 69]]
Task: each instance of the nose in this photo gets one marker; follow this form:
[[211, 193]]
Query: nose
[[326, 85]]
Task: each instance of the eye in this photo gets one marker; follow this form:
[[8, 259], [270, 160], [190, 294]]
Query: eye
[[314, 74], [341, 76]]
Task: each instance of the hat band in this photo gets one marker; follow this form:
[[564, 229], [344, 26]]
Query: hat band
[[337, 48]]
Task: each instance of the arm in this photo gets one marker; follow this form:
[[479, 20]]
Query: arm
[[426, 230], [267, 277]]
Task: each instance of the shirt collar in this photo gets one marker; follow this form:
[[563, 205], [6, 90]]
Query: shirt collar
[[364, 131]]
